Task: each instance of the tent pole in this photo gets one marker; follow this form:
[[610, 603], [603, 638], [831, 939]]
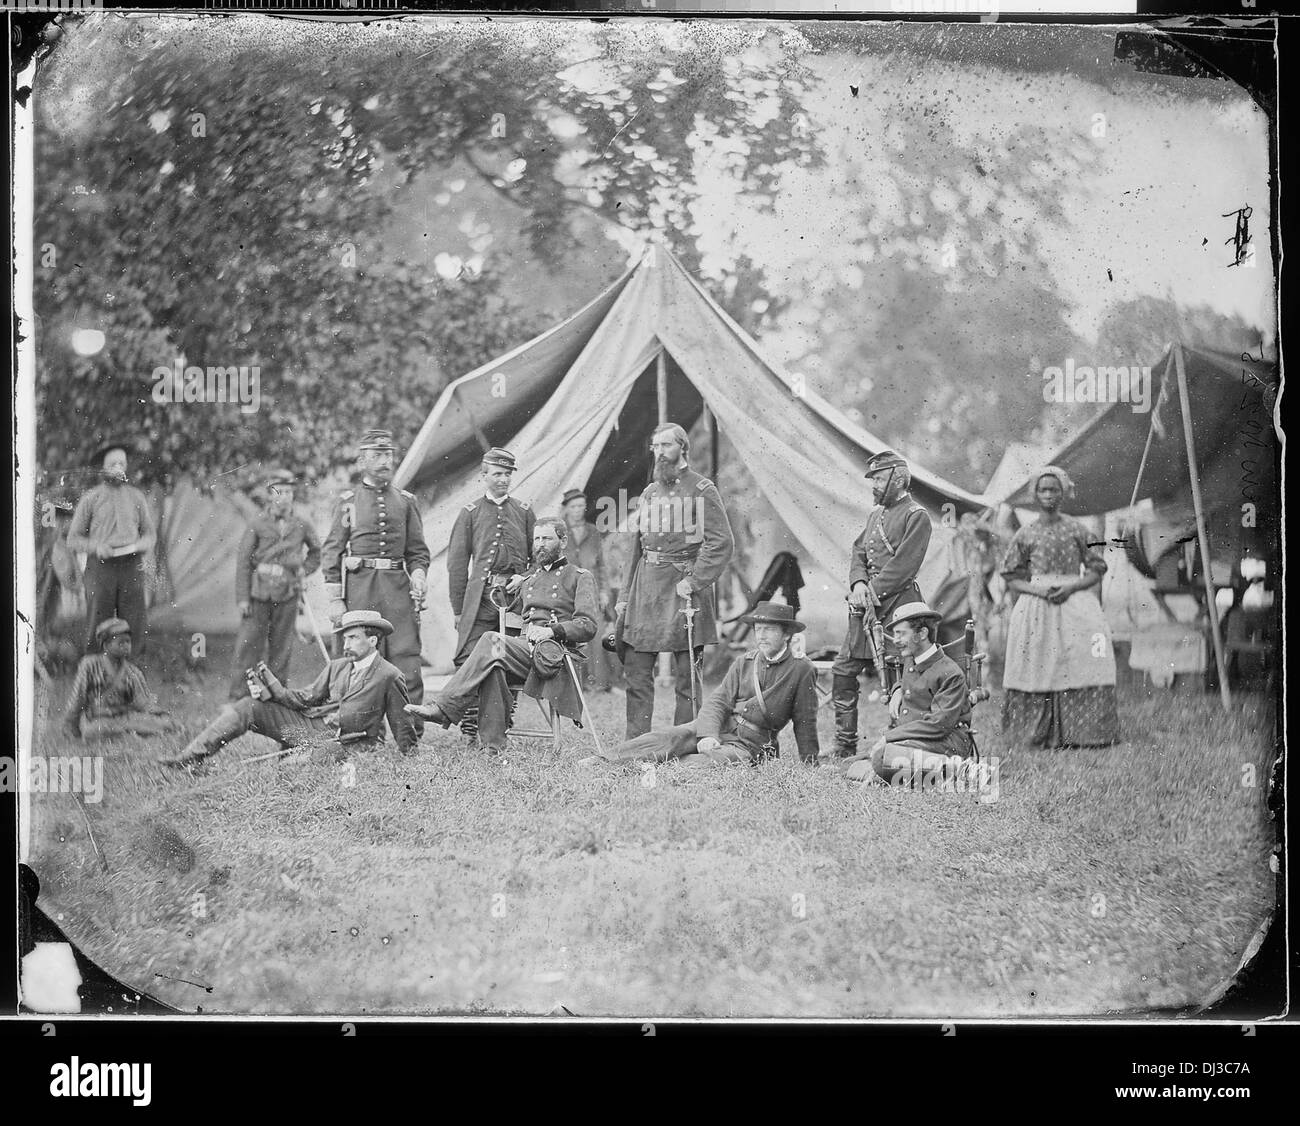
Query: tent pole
[[661, 380], [1203, 539]]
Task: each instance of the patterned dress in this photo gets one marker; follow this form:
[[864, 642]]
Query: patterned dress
[[1060, 667]]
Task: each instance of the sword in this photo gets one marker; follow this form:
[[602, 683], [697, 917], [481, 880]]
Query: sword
[[582, 699], [315, 629], [690, 611], [501, 606]]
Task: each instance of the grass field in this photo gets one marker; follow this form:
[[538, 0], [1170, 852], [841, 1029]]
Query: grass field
[[1100, 882]]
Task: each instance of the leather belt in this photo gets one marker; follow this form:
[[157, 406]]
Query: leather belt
[[275, 570], [384, 564], [661, 557], [766, 737]]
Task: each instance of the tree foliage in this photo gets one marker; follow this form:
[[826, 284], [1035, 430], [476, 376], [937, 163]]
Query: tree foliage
[[207, 194]]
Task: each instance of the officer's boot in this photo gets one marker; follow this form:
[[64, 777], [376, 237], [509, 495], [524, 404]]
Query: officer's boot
[[228, 725], [844, 699]]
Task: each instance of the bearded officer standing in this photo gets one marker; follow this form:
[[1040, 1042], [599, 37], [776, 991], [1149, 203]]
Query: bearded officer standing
[[375, 557], [886, 559], [683, 544]]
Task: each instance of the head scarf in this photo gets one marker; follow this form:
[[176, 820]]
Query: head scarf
[[1067, 485]]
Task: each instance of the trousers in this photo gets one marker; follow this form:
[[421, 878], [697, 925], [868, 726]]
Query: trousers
[[639, 671], [115, 589], [497, 666], [679, 742], [266, 634]]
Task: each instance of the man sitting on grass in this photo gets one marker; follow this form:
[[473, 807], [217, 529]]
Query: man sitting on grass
[[110, 695], [344, 708], [763, 691], [929, 741]]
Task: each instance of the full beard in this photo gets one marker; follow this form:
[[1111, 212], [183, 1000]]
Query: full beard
[[667, 473], [547, 555]]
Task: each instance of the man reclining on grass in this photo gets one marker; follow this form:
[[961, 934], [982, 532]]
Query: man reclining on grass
[[763, 691], [344, 709], [110, 695], [929, 740], [560, 609]]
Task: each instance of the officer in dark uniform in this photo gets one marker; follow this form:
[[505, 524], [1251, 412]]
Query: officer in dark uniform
[[496, 533], [683, 544], [375, 557], [559, 608], [886, 559]]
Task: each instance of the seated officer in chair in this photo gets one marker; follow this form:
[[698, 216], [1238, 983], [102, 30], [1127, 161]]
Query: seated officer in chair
[[930, 736], [560, 610], [763, 691]]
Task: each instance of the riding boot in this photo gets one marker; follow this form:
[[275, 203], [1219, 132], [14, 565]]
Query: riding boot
[[844, 699], [228, 725]]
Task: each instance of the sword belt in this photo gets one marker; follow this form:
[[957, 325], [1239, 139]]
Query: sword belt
[[660, 558]]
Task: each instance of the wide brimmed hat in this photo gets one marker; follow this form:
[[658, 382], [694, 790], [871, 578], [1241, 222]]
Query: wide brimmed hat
[[572, 494], [914, 612], [500, 457], [884, 461], [371, 619], [774, 614]]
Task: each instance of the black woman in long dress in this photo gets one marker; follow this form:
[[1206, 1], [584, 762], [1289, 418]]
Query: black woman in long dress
[[1060, 667]]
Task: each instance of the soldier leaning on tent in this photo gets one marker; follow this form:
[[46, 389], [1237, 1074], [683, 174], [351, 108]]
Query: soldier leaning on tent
[[495, 531], [375, 557], [886, 559], [278, 550]]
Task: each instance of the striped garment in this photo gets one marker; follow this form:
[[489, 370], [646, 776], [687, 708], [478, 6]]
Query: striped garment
[[105, 687]]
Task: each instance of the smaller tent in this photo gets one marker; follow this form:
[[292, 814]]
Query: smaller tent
[[1204, 455]]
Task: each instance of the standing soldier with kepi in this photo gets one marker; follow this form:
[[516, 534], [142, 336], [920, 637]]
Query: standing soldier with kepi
[[882, 576], [278, 550], [683, 544], [496, 532], [375, 557]]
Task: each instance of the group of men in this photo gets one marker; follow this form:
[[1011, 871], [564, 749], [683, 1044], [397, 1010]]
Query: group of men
[[526, 608]]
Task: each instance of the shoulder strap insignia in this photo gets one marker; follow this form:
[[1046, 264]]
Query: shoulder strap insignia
[[470, 507], [347, 494], [408, 496], [524, 504], [703, 483]]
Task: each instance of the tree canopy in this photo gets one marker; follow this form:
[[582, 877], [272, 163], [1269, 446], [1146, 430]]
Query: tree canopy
[[208, 193]]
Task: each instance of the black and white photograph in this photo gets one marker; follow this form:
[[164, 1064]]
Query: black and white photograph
[[645, 519]]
